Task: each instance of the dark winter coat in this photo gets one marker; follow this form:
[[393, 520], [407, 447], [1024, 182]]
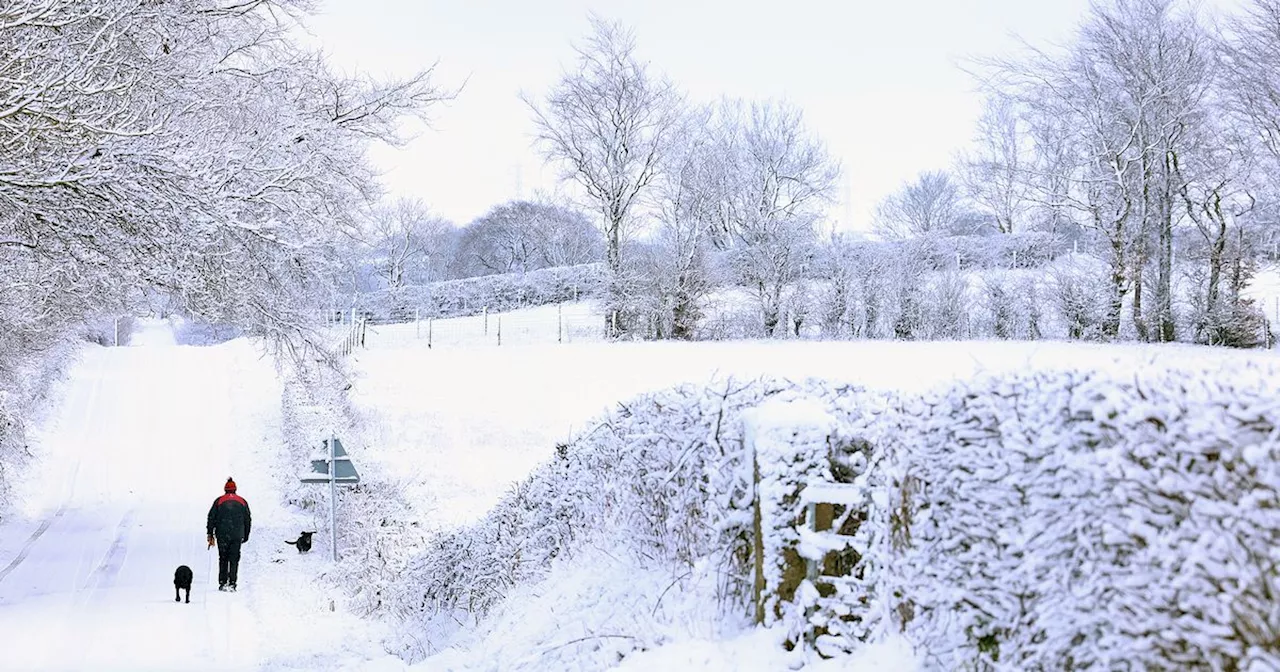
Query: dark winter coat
[[229, 518]]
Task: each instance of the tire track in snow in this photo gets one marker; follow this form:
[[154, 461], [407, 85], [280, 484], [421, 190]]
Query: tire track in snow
[[104, 575], [35, 536], [89, 406]]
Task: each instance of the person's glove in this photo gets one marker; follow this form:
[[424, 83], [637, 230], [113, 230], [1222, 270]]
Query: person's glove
[[210, 541]]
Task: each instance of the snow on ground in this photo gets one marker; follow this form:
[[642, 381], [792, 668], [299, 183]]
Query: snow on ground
[[762, 650], [1265, 289], [576, 322], [460, 424], [145, 435], [128, 468]]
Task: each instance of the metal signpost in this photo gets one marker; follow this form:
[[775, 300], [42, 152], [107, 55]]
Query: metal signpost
[[343, 471]]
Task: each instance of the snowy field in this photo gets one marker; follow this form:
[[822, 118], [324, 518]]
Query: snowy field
[[143, 436], [578, 322], [459, 424]]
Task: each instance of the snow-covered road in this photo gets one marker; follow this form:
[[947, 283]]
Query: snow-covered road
[[133, 457]]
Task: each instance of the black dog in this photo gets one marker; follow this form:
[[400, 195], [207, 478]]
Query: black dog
[[182, 581], [303, 542]]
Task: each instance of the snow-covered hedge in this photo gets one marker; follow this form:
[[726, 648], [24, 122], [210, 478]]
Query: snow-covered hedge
[[1062, 520], [1049, 520], [379, 526], [29, 365], [1080, 520], [1031, 249], [470, 296]]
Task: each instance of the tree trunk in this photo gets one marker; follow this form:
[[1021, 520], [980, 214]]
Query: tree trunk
[[615, 326], [1166, 328], [1139, 321], [684, 314], [1213, 298], [1115, 304], [1144, 239], [769, 308]]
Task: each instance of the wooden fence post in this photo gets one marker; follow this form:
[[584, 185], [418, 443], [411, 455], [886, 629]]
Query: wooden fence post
[[758, 586]]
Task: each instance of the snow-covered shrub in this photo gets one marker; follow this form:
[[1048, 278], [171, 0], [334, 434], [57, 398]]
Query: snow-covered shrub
[[470, 296], [1032, 249], [663, 478], [1062, 520], [29, 365], [800, 308], [1234, 320], [380, 528], [1007, 305], [945, 307], [104, 330], [189, 331], [1032, 296], [1079, 296], [730, 314]]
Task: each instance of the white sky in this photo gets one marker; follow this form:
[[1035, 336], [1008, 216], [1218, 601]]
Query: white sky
[[879, 82]]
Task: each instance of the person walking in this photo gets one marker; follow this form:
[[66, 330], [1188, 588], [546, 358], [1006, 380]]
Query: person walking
[[228, 524]]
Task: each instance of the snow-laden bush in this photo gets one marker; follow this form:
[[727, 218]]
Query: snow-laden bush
[[946, 308], [1069, 520], [105, 330], [470, 296], [1079, 296], [1044, 520], [191, 331], [662, 478], [380, 527], [1031, 249], [29, 365]]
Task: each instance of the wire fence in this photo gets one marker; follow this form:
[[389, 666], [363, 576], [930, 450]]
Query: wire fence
[[583, 322], [561, 323]]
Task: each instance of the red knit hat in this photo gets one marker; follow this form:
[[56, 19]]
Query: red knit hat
[[230, 486]]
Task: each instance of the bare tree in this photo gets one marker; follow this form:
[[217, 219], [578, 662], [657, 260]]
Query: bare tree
[[1252, 71], [563, 236], [406, 239], [995, 176], [680, 276], [1109, 117], [929, 206], [191, 148], [1214, 184], [608, 123], [522, 236], [774, 180]]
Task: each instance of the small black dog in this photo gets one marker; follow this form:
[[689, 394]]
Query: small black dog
[[303, 542], [182, 581]]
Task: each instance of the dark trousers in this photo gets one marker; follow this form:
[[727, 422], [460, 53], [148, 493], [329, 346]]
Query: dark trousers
[[228, 561]]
